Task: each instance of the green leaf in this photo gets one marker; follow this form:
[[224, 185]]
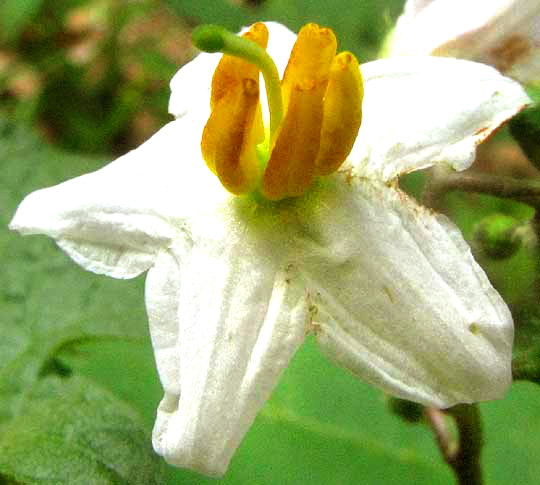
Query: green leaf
[[322, 424], [526, 362], [70, 431], [47, 302], [511, 435], [60, 430], [15, 15], [125, 368], [325, 426]]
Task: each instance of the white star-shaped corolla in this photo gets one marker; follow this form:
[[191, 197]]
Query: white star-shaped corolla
[[501, 33], [234, 284]]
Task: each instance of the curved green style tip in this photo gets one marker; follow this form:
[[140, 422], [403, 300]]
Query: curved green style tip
[[209, 38], [213, 38]]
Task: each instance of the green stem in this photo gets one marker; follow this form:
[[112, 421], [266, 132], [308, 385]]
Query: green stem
[[462, 456], [466, 463]]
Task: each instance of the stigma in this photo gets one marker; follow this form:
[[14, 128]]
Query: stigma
[[315, 111]]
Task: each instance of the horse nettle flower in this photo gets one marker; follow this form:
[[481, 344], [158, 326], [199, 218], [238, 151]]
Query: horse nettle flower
[[501, 33], [235, 283]]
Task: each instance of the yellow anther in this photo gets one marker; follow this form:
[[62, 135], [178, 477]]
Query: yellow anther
[[230, 138], [315, 112], [342, 113], [235, 125], [291, 167], [231, 70], [310, 58]]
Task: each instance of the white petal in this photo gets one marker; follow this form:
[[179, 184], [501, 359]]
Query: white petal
[[414, 7], [419, 111], [424, 27], [502, 33], [222, 337], [115, 220], [400, 300], [190, 86]]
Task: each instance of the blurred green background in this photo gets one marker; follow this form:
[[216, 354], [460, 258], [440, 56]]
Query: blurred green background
[[84, 81]]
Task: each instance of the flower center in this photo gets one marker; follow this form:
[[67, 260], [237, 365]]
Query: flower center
[[315, 111]]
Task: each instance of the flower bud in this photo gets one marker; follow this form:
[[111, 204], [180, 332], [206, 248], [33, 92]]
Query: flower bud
[[496, 236]]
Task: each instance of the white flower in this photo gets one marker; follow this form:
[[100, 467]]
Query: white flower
[[389, 288], [501, 33]]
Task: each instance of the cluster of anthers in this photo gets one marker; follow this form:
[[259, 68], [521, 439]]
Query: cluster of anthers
[[315, 111]]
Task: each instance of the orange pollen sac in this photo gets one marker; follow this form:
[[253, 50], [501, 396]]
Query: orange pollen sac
[[322, 104]]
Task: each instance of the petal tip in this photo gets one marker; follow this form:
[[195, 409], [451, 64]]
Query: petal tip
[[179, 447], [27, 216]]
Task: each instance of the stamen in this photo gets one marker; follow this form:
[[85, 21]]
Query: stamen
[[235, 125], [311, 56], [291, 167], [212, 38], [342, 113], [230, 137], [315, 112]]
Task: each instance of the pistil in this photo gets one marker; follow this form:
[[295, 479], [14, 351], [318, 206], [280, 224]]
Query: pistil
[[213, 38]]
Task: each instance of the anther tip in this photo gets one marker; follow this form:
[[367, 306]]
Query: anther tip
[[209, 38]]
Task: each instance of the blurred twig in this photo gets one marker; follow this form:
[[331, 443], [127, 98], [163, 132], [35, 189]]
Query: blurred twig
[[522, 190], [463, 454]]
